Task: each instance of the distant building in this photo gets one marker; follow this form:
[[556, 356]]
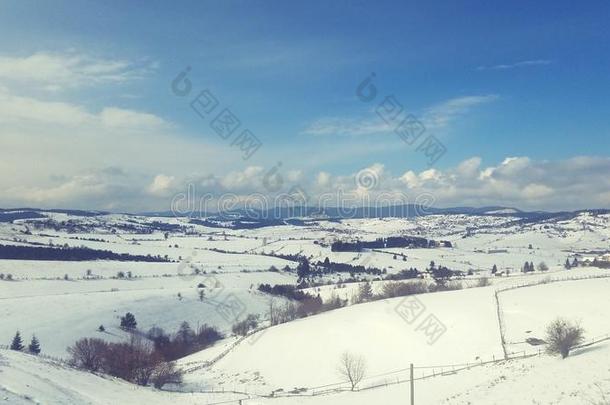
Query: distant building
[[491, 251]]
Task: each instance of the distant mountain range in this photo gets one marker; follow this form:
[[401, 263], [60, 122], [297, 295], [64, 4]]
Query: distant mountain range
[[283, 213]]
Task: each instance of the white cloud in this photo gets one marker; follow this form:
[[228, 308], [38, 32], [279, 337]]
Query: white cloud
[[523, 63], [28, 110], [18, 109], [469, 167], [162, 184], [55, 150], [434, 117], [442, 114], [72, 189], [248, 179], [57, 71], [120, 118], [579, 182], [536, 191], [347, 127], [323, 179]]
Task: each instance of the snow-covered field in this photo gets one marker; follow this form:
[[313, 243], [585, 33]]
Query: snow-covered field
[[61, 302], [582, 378]]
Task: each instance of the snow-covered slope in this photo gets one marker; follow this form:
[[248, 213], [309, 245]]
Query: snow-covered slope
[[27, 379]]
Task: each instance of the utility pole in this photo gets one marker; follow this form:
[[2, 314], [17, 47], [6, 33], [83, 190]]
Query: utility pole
[[412, 387]]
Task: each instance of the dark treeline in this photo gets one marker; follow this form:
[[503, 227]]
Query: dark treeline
[[284, 290], [165, 227], [239, 223], [331, 267], [184, 342], [286, 256], [308, 272], [70, 254], [380, 243], [254, 221], [132, 226], [404, 274], [12, 216]]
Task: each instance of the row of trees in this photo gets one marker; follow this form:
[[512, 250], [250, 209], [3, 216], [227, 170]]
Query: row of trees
[[292, 310], [174, 346], [529, 267], [380, 243], [184, 342], [285, 290], [136, 361], [17, 344], [306, 270], [242, 328], [401, 289], [70, 254], [147, 357]]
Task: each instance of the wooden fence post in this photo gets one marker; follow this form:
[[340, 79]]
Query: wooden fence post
[[412, 387]]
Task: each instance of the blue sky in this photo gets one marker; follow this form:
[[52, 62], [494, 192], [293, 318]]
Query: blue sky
[[490, 80]]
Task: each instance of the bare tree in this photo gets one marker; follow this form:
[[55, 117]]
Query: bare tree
[[352, 367], [166, 373], [88, 353], [274, 312], [562, 336], [483, 282], [365, 292]]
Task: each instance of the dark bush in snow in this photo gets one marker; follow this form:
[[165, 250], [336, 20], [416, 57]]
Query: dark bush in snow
[[562, 336]]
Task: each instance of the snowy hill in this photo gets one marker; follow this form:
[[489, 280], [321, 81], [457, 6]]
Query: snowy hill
[[305, 352], [62, 301]]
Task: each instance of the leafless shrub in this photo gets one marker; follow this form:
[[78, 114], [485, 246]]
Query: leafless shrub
[[88, 353], [166, 373], [401, 289], [562, 336], [483, 282], [243, 327], [365, 293], [353, 368]]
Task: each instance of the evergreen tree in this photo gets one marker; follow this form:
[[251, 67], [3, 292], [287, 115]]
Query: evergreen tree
[[185, 334], [365, 292], [567, 265], [128, 322], [303, 270], [494, 269], [575, 262], [101, 328], [17, 343], [34, 346], [532, 268]]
